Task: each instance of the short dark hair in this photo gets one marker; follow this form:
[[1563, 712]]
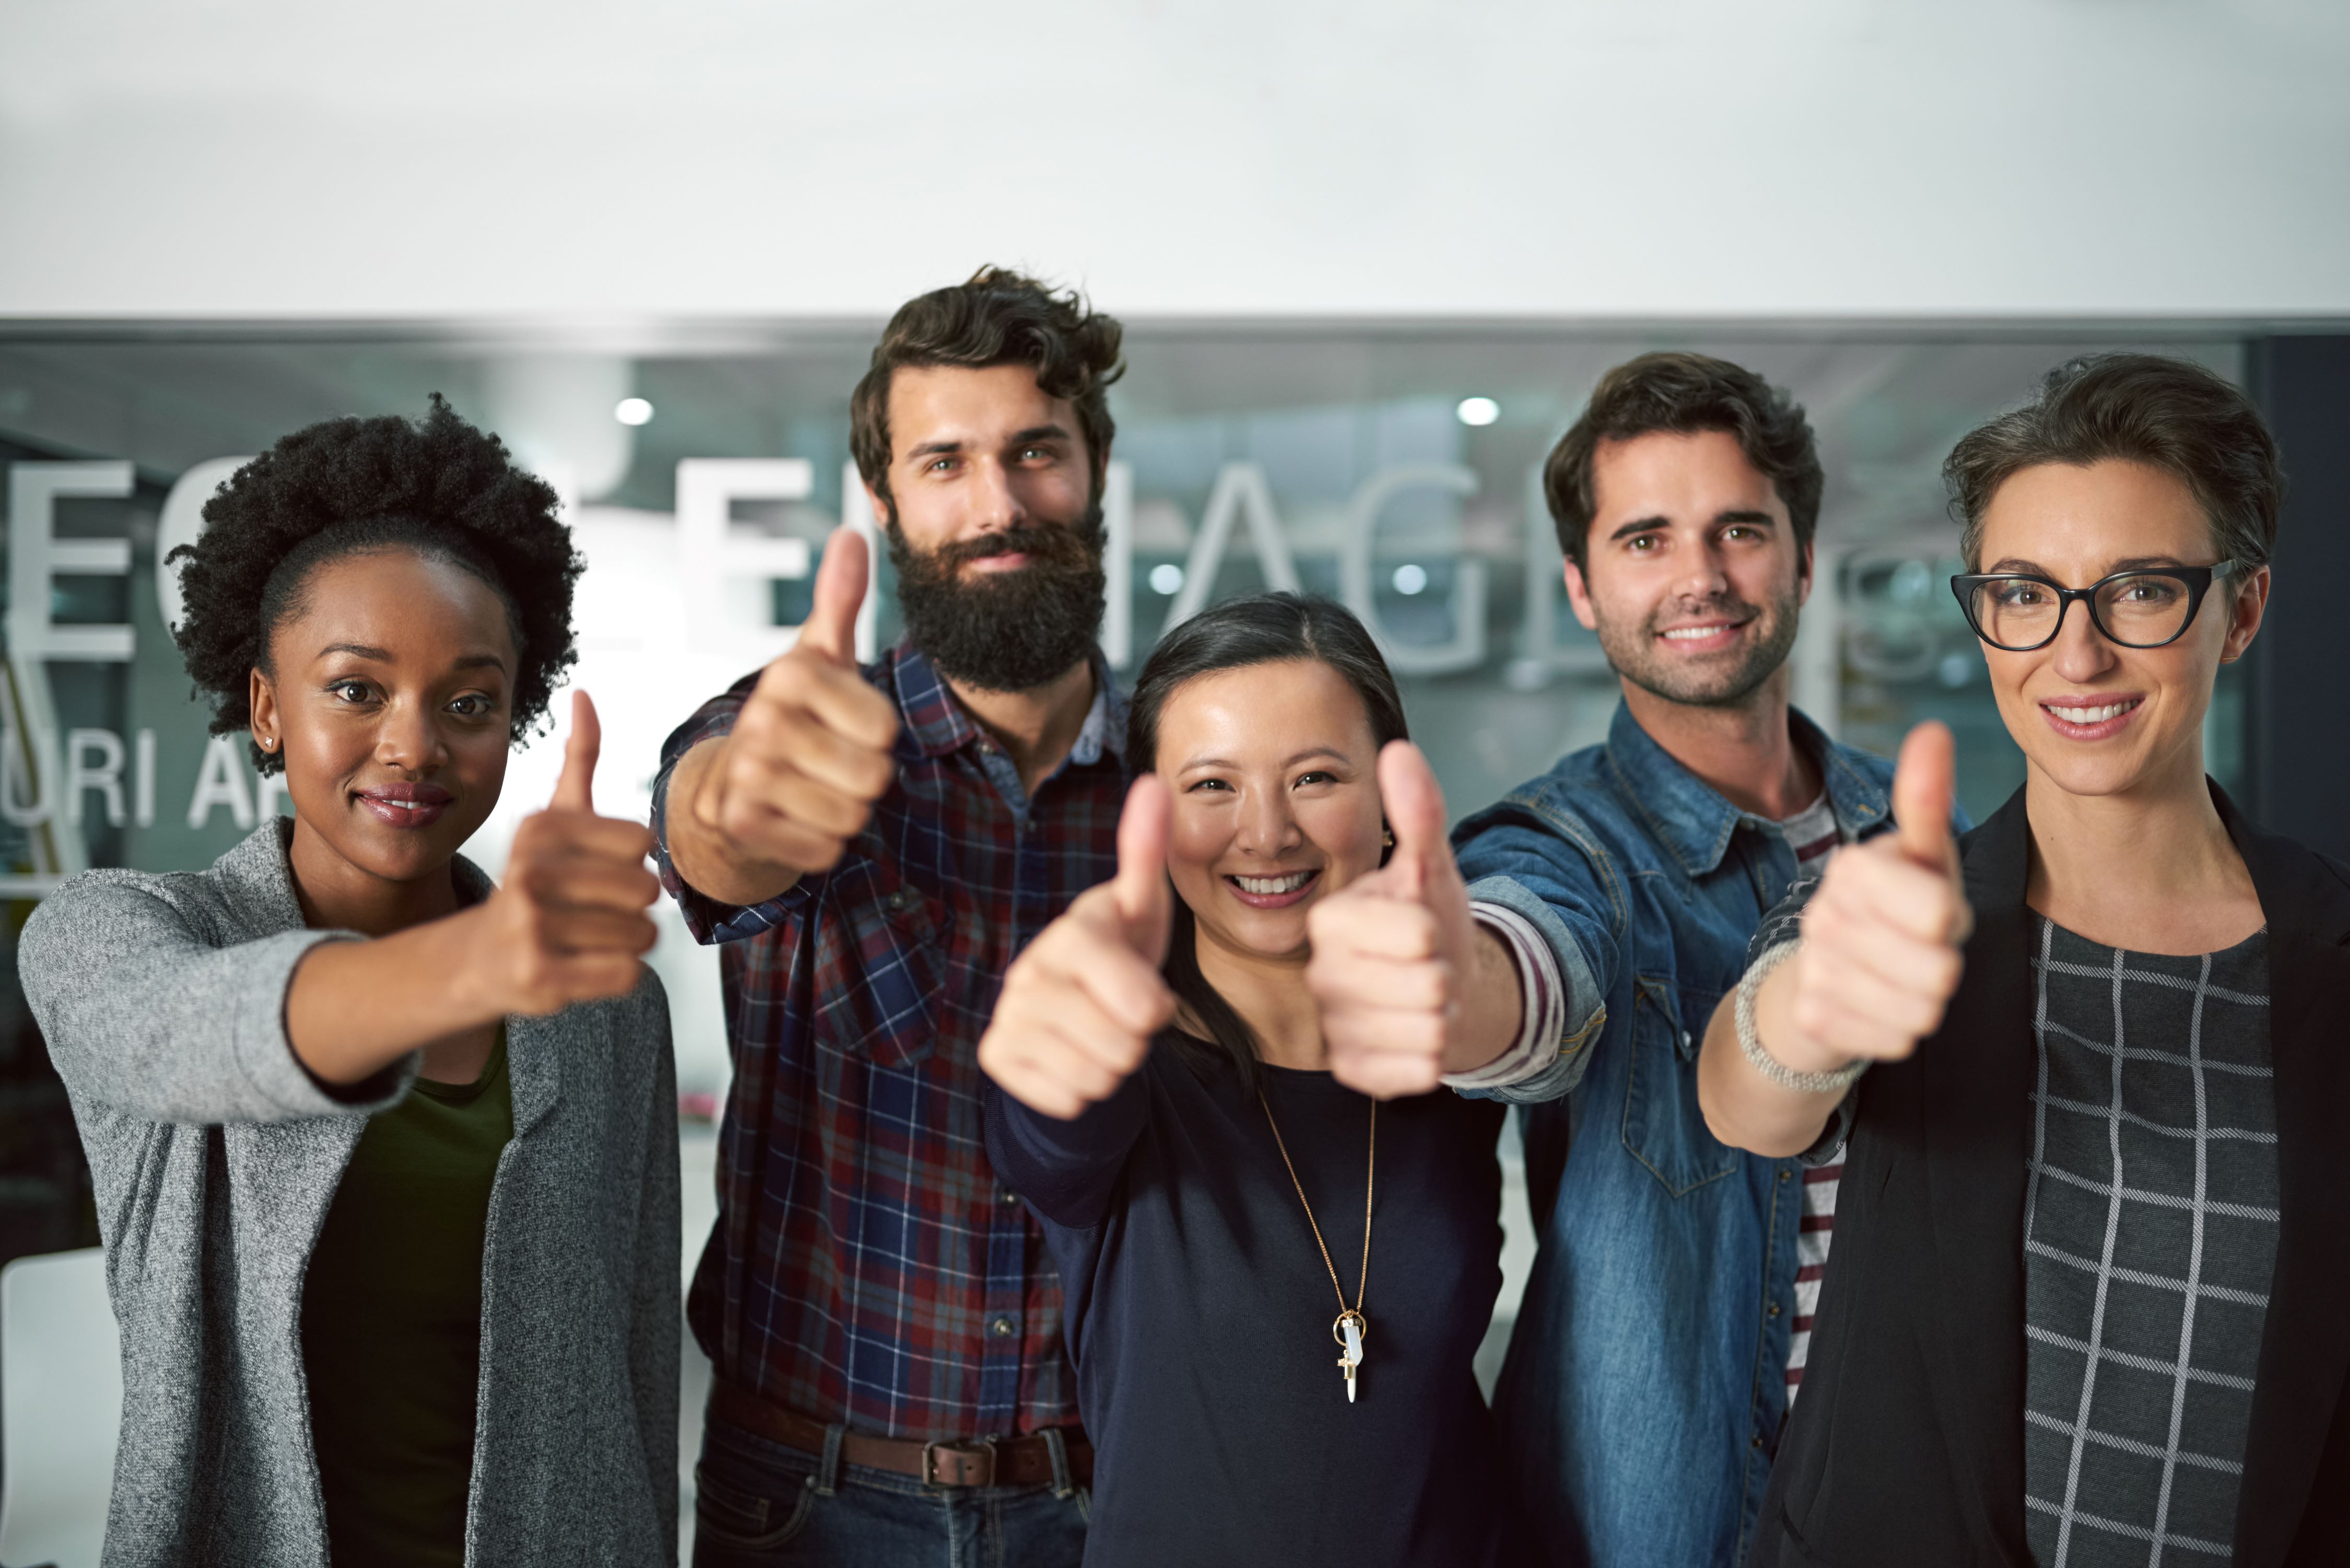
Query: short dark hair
[[998, 317], [437, 486], [1263, 628], [2170, 414], [1684, 393]]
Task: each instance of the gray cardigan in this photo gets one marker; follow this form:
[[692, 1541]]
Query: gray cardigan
[[215, 1154]]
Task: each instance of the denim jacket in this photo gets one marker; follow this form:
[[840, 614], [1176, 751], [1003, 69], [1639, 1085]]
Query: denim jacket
[[1646, 1383]]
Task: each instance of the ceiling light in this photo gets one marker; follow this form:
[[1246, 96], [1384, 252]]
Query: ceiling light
[[1478, 411], [1167, 578], [632, 412], [1412, 578]]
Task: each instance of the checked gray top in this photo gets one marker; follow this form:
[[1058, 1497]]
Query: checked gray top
[[2150, 1235]]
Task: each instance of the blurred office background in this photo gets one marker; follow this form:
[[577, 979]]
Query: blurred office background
[[1372, 257]]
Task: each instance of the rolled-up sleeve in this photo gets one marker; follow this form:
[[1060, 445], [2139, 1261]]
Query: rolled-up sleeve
[[145, 1014], [1562, 902], [709, 920]]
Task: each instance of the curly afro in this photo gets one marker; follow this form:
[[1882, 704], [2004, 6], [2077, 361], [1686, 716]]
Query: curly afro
[[437, 486]]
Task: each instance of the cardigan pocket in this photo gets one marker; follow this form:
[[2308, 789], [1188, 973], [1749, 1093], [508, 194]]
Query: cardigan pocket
[[878, 967]]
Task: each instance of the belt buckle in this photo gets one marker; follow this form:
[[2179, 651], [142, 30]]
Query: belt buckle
[[930, 1452]]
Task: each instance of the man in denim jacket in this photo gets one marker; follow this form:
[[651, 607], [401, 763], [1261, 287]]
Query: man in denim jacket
[[1656, 1350]]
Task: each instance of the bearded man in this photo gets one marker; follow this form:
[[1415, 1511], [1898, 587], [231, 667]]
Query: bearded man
[[1664, 1330], [874, 847]]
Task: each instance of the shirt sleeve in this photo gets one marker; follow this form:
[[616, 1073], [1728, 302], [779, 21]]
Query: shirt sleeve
[[1566, 896], [1066, 1170], [1541, 1012], [143, 1014], [709, 919]]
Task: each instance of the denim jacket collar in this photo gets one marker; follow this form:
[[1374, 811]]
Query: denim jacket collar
[[1690, 818]]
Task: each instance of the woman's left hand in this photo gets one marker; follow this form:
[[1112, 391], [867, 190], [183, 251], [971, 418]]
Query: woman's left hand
[[567, 923]]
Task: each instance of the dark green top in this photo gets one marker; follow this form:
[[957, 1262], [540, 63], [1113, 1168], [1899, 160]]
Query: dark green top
[[392, 1323]]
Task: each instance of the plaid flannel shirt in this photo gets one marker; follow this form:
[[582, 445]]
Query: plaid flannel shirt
[[867, 1266]]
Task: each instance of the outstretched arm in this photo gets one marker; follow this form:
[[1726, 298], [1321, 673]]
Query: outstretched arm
[[780, 795], [1868, 978], [568, 924]]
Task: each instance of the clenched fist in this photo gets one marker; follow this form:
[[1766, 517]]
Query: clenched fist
[[1079, 1007], [1881, 938], [782, 794], [567, 923], [1396, 968]]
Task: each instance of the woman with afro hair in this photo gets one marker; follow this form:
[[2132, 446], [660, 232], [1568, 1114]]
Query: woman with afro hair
[[385, 1155]]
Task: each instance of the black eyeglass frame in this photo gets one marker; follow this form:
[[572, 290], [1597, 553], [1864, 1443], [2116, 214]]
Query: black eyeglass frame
[[2197, 580]]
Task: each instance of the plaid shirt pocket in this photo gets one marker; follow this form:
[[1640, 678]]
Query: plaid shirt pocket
[[885, 932]]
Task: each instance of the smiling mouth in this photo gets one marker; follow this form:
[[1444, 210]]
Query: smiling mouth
[[1701, 633], [421, 809], [1277, 892], [2084, 716]]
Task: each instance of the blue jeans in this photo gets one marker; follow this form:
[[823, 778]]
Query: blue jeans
[[759, 1504]]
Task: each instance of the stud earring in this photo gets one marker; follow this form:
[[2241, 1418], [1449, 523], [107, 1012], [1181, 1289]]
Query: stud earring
[[1387, 840]]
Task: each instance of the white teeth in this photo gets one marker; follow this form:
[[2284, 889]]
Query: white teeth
[[1692, 633], [2092, 715], [1264, 884]]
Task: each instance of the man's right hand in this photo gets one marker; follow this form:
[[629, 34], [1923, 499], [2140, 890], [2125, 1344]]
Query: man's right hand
[[1880, 955], [782, 794], [1079, 1007]]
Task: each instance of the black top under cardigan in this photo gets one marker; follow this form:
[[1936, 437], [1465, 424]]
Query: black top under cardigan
[[1908, 1444]]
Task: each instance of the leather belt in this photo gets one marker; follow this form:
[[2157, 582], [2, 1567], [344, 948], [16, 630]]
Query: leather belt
[[977, 1461]]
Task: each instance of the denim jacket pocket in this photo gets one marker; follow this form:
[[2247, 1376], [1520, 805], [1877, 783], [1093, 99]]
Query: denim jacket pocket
[[878, 965], [1663, 1128]]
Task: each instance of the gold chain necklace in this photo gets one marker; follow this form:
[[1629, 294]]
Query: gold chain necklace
[[1352, 1327]]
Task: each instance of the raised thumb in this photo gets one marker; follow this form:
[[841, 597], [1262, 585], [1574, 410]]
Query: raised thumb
[[1413, 803], [1924, 786], [1141, 890], [574, 787], [840, 578]]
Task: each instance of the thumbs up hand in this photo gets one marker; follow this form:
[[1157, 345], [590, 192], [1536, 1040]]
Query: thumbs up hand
[[809, 754], [1393, 952], [1880, 954], [1079, 1007], [567, 923]]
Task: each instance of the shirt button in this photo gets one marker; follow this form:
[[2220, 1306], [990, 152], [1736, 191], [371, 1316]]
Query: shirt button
[[1000, 1328], [1757, 1443], [1782, 1173], [1775, 1309], [1007, 1197], [900, 898]]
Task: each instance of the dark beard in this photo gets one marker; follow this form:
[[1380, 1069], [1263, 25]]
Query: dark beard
[[1004, 631], [1723, 685]]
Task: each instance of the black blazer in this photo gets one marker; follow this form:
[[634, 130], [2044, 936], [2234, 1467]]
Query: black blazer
[[1908, 1445]]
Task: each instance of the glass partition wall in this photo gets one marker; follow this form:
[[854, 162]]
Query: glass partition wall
[[1394, 467]]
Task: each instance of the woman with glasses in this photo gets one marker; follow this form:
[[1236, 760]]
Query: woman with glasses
[[2093, 1252]]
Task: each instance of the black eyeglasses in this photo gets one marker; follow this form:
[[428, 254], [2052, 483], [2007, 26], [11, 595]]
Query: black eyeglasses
[[2022, 611]]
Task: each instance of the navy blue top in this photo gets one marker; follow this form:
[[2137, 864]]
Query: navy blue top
[[1199, 1313]]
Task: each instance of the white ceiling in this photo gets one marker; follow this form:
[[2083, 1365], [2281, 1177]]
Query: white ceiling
[[597, 161]]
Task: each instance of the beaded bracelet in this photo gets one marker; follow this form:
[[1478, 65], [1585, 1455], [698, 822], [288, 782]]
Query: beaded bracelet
[[1751, 1043]]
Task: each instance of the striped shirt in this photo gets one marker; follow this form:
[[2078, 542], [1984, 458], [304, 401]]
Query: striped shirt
[[1811, 833]]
